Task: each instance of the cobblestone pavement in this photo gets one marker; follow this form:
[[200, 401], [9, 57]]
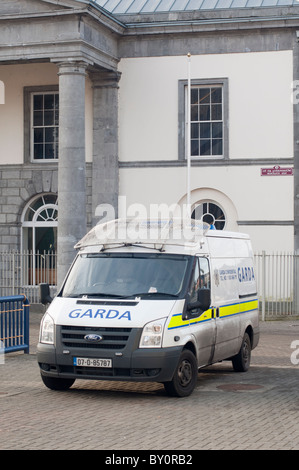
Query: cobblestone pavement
[[228, 410]]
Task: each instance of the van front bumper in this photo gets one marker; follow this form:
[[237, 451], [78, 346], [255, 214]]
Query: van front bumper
[[142, 365]]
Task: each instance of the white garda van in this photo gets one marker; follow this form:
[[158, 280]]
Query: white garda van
[[151, 302]]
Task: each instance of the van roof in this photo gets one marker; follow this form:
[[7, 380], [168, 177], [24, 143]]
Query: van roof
[[155, 233]]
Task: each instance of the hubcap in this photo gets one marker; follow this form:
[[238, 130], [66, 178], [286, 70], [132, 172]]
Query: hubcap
[[185, 373], [246, 353]]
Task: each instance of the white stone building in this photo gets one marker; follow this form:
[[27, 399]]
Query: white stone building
[[93, 111]]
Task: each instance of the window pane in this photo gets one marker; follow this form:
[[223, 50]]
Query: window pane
[[219, 225], [194, 148], [38, 102], [49, 134], [216, 112], [45, 239], [38, 135], [194, 112], [204, 113], [38, 118], [49, 118], [217, 147], [194, 95], [208, 218], [49, 151], [215, 210], [204, 273], [204, 95], [49, 102], [216, 95], [205, 147], [195, 284], [217, 130], [194, 131], [38, 151], [42, 216], [205, 131]]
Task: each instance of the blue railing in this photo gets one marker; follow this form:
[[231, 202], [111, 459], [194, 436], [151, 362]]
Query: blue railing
[[14, 323]]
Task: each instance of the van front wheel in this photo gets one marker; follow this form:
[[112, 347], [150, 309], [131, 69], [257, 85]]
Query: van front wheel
[[241, 361], [185, 376]]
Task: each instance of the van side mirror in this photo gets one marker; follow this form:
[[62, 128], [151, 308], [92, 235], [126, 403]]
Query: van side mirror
[[203, 303], [44, 294]]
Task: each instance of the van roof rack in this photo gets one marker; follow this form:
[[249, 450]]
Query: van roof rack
[[153, 232]]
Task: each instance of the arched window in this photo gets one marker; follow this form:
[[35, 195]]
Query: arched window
[[211, 213], [39, 238]]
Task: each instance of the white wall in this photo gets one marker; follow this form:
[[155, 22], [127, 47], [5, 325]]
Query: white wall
[[260, 126], [260, 107], [242, 193]]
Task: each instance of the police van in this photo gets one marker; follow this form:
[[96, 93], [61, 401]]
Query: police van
[[151, 301]]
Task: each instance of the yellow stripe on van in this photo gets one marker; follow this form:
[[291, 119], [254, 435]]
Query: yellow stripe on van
[[224, 311], [248, 306], [227, 310], [207, 315], [177, 321]]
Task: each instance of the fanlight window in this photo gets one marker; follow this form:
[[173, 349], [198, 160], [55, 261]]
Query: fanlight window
[[39, 239], [211, 213]]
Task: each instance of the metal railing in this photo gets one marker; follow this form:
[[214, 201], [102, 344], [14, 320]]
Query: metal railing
[[277, 284], [14, 323], [22, 272]]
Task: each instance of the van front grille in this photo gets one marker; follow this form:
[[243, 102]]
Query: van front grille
[[112, 338]]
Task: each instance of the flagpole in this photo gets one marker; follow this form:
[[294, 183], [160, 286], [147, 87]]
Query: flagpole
[[189, 136]]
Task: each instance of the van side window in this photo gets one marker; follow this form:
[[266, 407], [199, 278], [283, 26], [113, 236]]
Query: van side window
[[204, 271], [200, 279]]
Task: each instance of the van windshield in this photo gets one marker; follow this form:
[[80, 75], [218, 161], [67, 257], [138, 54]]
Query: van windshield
[[127, 275]]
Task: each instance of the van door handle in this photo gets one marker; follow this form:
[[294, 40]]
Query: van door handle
[[217, 312]]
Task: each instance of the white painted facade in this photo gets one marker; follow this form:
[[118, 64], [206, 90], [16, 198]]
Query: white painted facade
[[259, 95]]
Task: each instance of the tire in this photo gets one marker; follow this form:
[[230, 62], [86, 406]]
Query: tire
[[241, 361], [55, 383], [185, 376]]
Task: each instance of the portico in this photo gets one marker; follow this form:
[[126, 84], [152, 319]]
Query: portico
[[83, 46]]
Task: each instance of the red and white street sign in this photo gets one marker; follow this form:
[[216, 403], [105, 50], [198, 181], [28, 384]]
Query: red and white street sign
[[276, 171]]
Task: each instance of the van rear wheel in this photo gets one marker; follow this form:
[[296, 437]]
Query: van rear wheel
[[185, 376], [241, 361], [55, 383]]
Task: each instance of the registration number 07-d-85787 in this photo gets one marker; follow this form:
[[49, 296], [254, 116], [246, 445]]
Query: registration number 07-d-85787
[[91, 362]]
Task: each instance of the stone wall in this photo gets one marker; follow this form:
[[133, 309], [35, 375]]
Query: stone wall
[[18, 185]]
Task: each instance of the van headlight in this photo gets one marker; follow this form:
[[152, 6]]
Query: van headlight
[[47, 330], [152, 334]]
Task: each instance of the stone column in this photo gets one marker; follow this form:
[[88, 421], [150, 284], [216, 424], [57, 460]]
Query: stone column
[[71, 166], [105, 179]]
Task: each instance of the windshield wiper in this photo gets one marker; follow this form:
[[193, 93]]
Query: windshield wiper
[[117, 296], [98, 294]]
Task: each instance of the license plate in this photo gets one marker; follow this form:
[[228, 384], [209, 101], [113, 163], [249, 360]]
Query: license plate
[[91, 362]]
